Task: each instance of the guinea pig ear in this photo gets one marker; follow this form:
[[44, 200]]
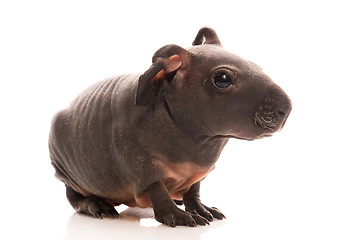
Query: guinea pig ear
[[167, 61], [206, 36]]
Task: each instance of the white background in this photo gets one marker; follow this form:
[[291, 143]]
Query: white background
[[303, 183]]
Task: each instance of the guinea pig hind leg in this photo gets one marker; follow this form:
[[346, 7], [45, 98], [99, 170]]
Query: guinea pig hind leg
[[93, 205]]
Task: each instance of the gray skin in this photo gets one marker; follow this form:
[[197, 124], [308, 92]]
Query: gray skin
[[148, 140]]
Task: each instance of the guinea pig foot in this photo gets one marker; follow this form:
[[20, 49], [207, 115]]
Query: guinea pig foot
[[215, 212], [99, 208], [93, 206], [178, 217], [207, 212]]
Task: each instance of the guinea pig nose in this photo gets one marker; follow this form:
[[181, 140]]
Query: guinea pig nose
[[284, 108]]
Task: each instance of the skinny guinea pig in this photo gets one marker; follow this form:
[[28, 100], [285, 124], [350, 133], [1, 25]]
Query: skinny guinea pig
[[150, 139]]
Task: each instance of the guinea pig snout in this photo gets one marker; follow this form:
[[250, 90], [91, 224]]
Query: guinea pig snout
[[273, 113]]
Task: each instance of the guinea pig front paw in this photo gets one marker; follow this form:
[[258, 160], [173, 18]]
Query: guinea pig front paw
[[196, 207], [215, 212], [178, 217]]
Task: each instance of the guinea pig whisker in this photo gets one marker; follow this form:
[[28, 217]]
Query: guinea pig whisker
[[267, 123]]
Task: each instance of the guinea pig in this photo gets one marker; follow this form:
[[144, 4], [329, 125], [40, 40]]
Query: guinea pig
[[150, 139]]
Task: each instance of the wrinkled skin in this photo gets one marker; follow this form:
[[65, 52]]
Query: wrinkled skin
[[148, 139]]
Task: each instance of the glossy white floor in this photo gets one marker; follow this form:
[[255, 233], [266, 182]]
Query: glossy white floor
[[303, 183]]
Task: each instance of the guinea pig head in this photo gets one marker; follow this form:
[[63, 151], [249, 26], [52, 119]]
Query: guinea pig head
[[210, 91]]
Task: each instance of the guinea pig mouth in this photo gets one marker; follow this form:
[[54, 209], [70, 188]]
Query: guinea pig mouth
[[266, 120]]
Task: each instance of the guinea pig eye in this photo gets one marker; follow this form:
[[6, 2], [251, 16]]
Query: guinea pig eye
[[222, 80]]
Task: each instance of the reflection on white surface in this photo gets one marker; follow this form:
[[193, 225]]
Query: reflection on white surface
[[135, 223]]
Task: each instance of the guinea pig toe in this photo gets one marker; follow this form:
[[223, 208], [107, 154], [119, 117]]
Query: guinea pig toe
[[215, 212], [201, 211], [200, 220], [110, 213], [100, 209], [181, 218]]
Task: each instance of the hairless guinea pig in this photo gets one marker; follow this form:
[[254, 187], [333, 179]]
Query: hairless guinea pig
[[149, 139]]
